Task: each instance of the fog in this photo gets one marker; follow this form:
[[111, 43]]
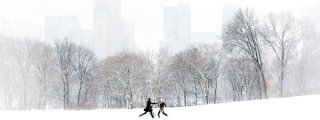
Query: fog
[[206, 15], [89, 54]]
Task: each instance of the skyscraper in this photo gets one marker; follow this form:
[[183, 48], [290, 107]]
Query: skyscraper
[[111, 33], [204, 38], [176, 28], [86, 38], [62, 27]]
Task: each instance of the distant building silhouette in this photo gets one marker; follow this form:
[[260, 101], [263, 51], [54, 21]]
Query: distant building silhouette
[[62, 27], [176, 28], [111, 34], [203, 38]]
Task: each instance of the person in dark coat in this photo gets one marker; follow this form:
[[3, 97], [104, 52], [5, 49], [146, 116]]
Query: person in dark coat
[[148, 108], [162, 105]]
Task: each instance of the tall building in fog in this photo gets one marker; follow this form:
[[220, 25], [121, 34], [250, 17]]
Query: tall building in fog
[[62, 27], [204, 38], [176, 28], [86, 38], [111, 33]]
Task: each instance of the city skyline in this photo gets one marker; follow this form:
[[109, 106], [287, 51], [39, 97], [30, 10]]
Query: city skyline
[[110, 55], [146, 15]]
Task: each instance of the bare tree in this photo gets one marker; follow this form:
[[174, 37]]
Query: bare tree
[[106, 86], [180, 70], [240, 72], [152, 61], [22, 53], [159, 75], [43, 59], [282, 33], [7, 79], [65, 51], [308, 53], [210, 68], [126, 72], [194, 63], [84, 66], [243, 33], [199, 70]]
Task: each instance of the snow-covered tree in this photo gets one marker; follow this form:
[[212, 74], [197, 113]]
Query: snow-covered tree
[[43, 59], [242, 33], [65, 51], [84, 66], [282, 32], [126, 72]]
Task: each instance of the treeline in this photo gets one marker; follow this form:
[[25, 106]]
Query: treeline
[[274, 56]]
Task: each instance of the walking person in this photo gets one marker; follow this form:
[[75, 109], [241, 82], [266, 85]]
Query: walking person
[[148, 108], [162, 105]]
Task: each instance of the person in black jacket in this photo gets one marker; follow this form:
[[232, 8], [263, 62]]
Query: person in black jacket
[[148, 108], [162, 105]]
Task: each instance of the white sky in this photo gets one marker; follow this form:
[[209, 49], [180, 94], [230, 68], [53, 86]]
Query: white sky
[[147, 14]]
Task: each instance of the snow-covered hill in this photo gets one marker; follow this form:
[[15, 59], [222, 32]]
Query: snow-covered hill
[[294, 108]]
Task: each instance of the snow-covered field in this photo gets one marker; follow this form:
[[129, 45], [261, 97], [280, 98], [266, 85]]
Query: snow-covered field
[[294, 108]]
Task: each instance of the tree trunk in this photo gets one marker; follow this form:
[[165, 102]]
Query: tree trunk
[[178, 97], [281, 80], [195, 91], [206, 90], [215, 92], [264, 85], [79, 92], [185, 97], [281, 73], [184, 92], [64, 96]]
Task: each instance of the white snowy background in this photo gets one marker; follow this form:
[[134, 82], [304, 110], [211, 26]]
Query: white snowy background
[[293, 108]]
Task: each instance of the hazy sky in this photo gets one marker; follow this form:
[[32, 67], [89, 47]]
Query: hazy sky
[[146, 14]]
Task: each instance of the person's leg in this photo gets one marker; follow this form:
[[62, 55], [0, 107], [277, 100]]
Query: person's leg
[[159, 113], [164, 113], [151, 113], [143, 113]]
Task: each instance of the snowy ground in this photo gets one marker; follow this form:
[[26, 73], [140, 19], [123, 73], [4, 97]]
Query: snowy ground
[[294, 108]]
